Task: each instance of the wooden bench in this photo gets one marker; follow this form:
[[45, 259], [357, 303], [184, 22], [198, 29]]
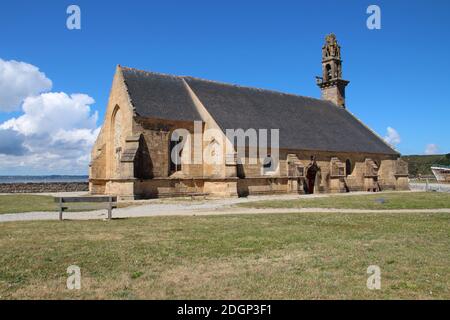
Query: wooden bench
[[63, 201]]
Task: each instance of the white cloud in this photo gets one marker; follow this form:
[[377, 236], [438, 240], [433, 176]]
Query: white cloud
[[431, 149], [54, 135], [392, 137], [19, 80], [52, 112], [85, 137]]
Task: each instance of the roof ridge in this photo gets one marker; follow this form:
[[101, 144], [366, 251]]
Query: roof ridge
[[226, 84], [152, 72], [255, 88]]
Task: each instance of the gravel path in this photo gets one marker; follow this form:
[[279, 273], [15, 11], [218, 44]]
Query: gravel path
[[171, 207]]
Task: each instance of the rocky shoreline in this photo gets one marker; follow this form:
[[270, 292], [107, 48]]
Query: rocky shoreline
[[43, 187]]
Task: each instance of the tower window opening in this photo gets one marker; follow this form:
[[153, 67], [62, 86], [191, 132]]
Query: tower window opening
[[329, 73]]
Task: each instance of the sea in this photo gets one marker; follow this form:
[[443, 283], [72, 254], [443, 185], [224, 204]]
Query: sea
[[41, 179]]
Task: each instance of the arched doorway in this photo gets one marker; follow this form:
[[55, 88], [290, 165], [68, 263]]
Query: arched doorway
[[348, 167], [311, 174]]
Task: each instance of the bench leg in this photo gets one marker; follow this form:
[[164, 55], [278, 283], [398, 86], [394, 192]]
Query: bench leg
[[110, 209], [60, 210]]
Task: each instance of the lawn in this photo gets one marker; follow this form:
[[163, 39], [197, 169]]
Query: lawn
[[398, 200], [26, 203], [17, 203], [266, 256]]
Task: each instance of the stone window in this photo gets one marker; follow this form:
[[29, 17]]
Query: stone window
[[117, 134], [329, 72], [268, 165], [214, 152], [240, 171], [175, 159]]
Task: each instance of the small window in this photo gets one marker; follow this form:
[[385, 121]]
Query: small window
[[240, 171], [268, 165], [329, 74], [175, 164]]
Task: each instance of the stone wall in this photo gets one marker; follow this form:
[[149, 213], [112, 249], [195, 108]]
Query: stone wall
[[131, 159], [43, 187]]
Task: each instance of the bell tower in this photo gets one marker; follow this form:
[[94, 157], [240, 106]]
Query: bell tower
[[331, 83]]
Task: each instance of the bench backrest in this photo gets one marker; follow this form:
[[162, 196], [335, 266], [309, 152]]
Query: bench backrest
[[85, 199]]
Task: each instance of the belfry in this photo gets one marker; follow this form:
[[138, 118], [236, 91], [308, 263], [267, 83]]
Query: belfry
[[331, 83]]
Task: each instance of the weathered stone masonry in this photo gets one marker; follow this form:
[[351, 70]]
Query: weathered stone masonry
[[34, 187], [323, 147]]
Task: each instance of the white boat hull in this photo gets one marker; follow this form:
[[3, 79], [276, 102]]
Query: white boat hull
[[442, 174]]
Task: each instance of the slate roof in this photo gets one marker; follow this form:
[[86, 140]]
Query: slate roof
[[305, 123], [159, 96]]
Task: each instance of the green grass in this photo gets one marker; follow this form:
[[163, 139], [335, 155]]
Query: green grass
[[399, 200], [13, 203], [270, 256], [26, 203]]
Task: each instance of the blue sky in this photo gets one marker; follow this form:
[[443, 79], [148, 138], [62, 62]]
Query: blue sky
[[399, 75]]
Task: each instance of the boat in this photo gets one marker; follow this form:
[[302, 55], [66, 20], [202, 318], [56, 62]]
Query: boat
[[441, 172]]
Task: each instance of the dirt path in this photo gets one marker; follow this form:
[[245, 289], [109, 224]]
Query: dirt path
[[144, 212], [173, 207]]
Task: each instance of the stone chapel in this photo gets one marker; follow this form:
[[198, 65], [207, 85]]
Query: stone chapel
[[322, 147]]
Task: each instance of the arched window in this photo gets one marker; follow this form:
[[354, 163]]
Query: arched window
[[328, 72], [348, 167], [214, 152], [377, 162], [268, 165], [240, 171], [175, 154], [117, 139]]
